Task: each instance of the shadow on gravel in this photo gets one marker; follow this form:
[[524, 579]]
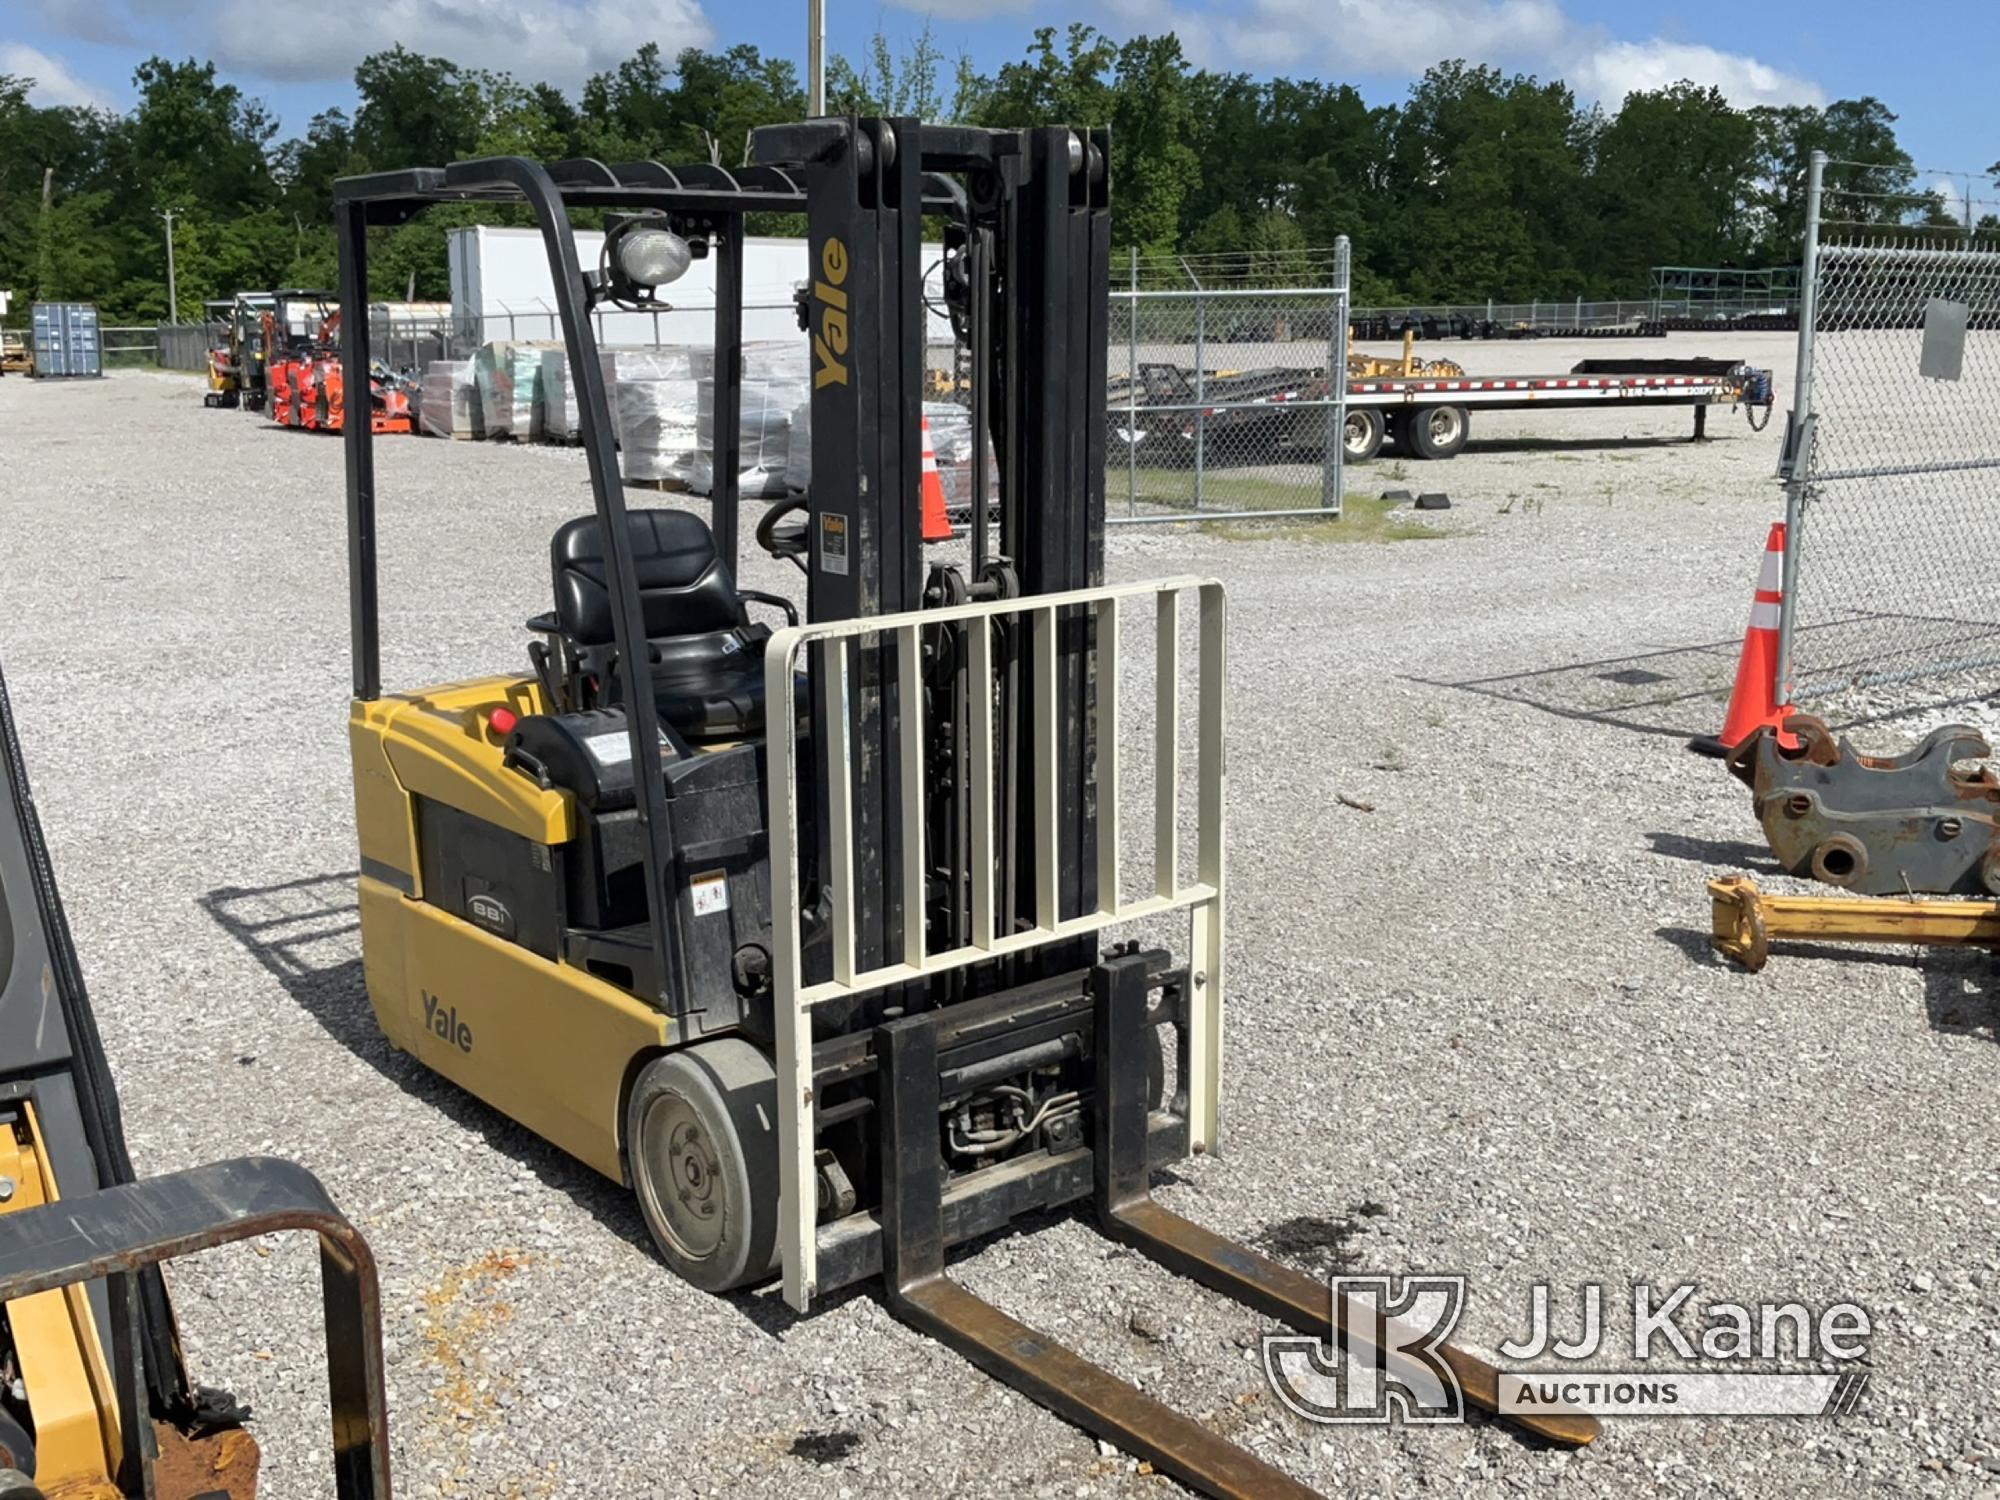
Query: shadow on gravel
[[1693, 944], [1961, 990], [1962, 993], [1682, 691], [307, 935], [1558, 446], [1733, 853], [1675, 692]]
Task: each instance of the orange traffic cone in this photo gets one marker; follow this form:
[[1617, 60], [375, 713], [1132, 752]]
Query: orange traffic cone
[[937, 525], [1754, 703]]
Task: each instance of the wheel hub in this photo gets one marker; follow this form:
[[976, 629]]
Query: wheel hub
[[688, 1176]]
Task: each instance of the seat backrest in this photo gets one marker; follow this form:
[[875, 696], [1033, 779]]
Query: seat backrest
[[684, 587]]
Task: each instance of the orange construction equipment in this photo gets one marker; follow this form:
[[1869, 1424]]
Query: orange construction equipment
[[937, 525], [1754, 703]]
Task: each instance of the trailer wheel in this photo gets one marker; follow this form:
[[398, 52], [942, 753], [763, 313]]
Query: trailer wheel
[[1436, 431], [701, 1149], [1362, 434]]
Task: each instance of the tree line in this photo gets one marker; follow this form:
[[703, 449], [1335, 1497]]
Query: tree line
[[1479, 184]]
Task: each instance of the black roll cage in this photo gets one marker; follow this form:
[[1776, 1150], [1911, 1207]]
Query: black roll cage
[[860, 176]]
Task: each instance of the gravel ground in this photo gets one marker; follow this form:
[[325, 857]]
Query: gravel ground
[[1475, 1029]]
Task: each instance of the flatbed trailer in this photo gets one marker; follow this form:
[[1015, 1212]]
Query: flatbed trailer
[[1285, 407]]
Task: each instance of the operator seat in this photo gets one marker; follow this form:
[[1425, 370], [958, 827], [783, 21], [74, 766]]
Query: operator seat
[[707, 658]]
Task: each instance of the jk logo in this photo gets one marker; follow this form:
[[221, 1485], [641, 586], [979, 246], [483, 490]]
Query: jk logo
[[1383, 1359]]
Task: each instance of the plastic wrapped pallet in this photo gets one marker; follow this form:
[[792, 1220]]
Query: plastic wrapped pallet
[[775, 384], [658, 362], [507, 375], [951, 440], [799, 448], [448, 399], [559, 422], [656, 429]]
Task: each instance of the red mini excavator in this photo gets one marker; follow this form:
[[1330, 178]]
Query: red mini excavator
[[302, 367]]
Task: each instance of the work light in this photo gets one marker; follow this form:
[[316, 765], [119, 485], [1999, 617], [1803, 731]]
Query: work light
[[645, 253]]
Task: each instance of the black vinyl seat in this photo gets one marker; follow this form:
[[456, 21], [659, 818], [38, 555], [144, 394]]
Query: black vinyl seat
[[707, 658]]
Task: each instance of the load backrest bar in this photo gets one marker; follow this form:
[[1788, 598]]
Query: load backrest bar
[[901, 634]]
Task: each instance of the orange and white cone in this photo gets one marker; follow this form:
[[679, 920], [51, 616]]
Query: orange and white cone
[[1754, 704], [937, 525]]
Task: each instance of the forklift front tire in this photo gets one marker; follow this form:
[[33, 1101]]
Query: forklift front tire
[[702, 1152]]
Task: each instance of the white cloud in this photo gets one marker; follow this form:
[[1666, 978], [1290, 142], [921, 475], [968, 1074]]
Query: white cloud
[[964, 10], [1612, 70], [1153, 18], [55, 84], [554, 41], [1953, 190], [86, 20], [1371, 38]]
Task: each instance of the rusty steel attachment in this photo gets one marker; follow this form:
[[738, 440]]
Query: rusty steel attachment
[[134, 1224], [1746, 921], [923, 1295], [1922, 822]]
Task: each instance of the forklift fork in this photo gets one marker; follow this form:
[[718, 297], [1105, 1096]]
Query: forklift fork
[[924, 1296]]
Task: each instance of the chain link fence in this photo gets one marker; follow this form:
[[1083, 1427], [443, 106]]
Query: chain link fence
[[1220, 403], [185, 346], [1892, 462]]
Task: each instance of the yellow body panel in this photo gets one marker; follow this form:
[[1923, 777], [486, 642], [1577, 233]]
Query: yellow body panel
[[547, 1044], [435, 744], [61, 1359]]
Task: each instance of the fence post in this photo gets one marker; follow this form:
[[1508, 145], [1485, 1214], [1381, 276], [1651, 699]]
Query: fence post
[[1132, 390], [1200, 392], [1334, 467], [1799, 432]]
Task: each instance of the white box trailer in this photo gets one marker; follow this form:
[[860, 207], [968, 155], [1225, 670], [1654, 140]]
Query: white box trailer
[[501, 289]]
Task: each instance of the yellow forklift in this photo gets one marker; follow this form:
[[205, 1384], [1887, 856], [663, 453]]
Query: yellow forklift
[[806, 934], [96, 1402]]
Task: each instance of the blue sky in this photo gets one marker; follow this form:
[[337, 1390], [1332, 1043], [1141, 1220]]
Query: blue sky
[[1936, 75]]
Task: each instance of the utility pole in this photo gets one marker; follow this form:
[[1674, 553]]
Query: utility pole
[[815, 58], [173, 295], [44, 244]]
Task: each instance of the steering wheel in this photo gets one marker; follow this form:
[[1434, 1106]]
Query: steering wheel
[[791, 543]]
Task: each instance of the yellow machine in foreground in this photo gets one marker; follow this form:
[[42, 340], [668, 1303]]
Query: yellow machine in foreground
[[96, 1402]]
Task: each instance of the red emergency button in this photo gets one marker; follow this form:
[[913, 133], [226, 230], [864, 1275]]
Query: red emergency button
[[502, 720]]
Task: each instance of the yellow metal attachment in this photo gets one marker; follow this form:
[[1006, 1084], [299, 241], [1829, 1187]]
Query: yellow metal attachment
[[56, 1344], [1745, 922]]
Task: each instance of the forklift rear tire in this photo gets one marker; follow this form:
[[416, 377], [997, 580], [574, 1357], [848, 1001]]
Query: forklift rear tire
[[1436, 431], [702, 1151], [1363, 433]]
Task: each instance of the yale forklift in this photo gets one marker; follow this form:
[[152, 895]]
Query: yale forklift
[[95, 1398], [801, 932]]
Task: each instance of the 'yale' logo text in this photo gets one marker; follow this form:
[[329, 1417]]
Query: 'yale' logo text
[[830, 342], [445, 1024]]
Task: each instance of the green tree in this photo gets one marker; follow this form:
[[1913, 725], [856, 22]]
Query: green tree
[[703, 109], [1674, 184], [1051, 87], [1869, 181], [884, 84], [416, 111]]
